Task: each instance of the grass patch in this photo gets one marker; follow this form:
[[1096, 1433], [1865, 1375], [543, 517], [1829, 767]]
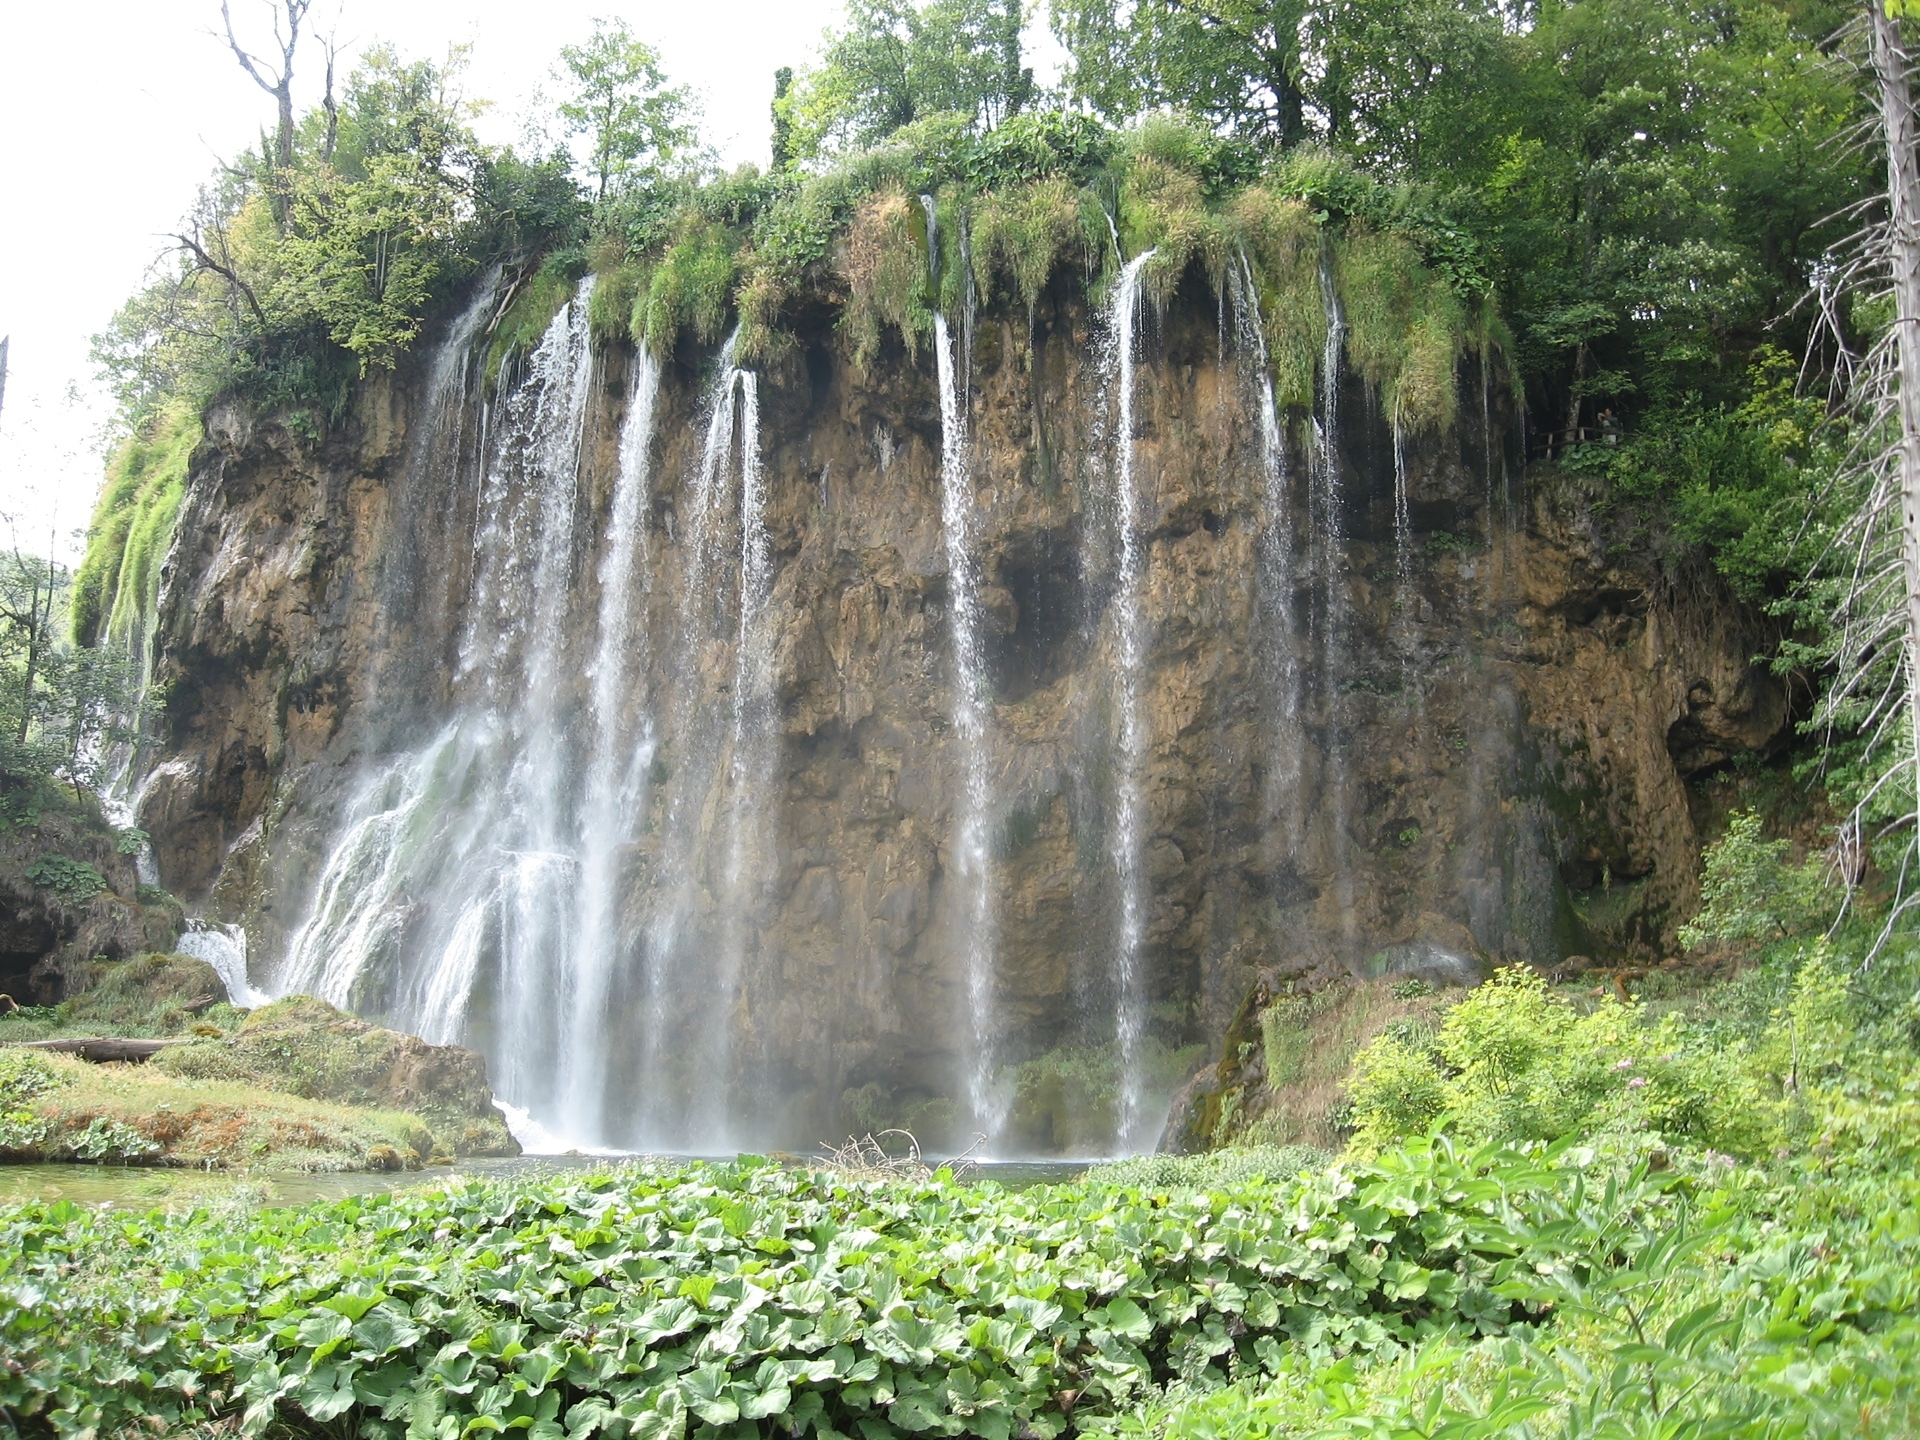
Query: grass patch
[[144, 1114], [1214, 1170]]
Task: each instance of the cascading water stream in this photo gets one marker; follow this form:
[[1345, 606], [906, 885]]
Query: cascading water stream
[[1128, 840], [224, 947], [1281, 655], [753, 749], [615, 792], [451, 904], [1410, 685], [972, 819], [1325, 520]]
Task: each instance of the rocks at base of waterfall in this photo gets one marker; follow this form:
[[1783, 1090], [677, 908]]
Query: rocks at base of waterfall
[[50, 940]]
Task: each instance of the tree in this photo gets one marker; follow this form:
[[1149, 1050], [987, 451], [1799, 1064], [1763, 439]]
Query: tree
[[1237, 64], [621, 102], [62, 708], [1875, 643], [288, 15], [896, 62], [28, 588], [782, 148], [373, 231]]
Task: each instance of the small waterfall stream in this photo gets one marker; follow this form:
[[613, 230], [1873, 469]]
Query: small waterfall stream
[[615, 792], [972, 841], [1280, 654], [1334, 622], [1127, 842], [451, 903]]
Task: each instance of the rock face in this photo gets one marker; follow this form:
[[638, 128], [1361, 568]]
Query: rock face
[[1370, 746]]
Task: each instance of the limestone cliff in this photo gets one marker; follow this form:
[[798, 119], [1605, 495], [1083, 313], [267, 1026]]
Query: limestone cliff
[[1425, 745]]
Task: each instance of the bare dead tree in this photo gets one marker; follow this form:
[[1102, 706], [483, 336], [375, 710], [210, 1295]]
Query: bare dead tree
[[1876, 549], [327, 101], [204, 240], [287, 18]]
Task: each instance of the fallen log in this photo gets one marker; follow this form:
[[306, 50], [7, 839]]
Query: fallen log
[[102, 1049]]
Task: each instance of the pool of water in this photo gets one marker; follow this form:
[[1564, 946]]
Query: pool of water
[[130, 1187]]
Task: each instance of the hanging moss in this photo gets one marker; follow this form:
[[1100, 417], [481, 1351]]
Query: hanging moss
[[690, 287], [1282, 241], [619, 282], [1162, 209], [955, 241], [759, 297], [118, 583], [1022, 234], [1405, 327], [886, 274]]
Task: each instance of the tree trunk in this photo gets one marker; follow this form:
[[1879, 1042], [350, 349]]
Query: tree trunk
[[1892, 67], [36, 633], [103, 1049]]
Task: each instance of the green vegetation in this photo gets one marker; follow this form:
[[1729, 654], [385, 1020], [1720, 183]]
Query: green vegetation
[[74, 881], [648, 1303]]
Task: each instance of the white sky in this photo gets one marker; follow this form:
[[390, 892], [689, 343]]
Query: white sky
[[113, 113]]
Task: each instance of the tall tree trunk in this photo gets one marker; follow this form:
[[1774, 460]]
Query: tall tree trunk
[[1892, 66]]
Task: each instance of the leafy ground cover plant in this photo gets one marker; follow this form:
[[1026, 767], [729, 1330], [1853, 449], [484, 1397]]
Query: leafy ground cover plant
[[703, 1300]]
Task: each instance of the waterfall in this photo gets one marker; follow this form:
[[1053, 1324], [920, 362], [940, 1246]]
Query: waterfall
[[1127, 842], [1325, 500], [452, 903], [972, 841], [725, 762], [224, 947]]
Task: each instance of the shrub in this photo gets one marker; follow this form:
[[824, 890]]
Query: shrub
[[1751, 893], [1036, 145], [1022, 233], [1514, 1063], [1395, 1091]]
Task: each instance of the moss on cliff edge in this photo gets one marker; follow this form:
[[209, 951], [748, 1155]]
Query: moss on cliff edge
[[118, 583]]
